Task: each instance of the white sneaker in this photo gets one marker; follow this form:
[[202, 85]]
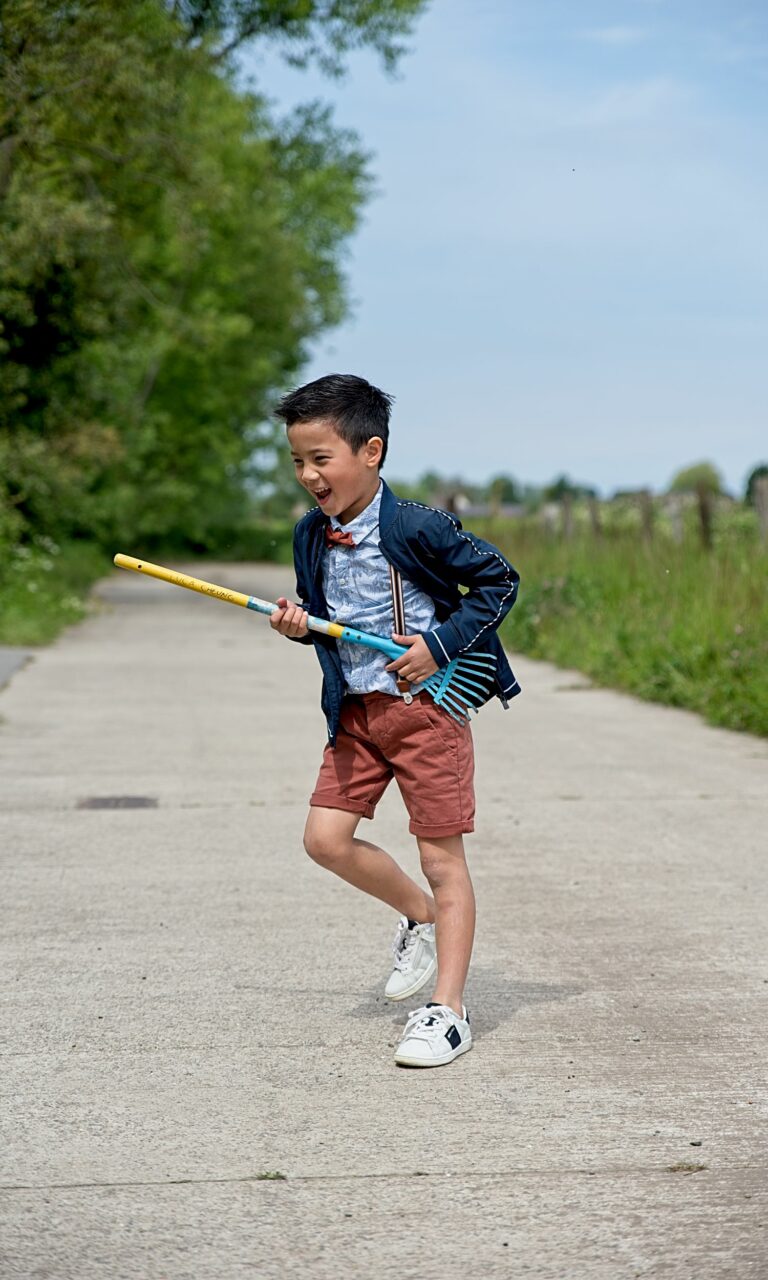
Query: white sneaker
[[433, 1036], [415, 959]]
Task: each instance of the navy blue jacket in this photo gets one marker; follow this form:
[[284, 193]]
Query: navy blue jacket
[[432, 551]]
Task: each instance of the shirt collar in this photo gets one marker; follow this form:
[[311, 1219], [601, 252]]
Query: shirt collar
[[365, 523]]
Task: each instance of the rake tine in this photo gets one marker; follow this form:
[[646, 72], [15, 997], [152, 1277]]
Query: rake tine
[[463, 682], [476, 673], [446, 694], [459, 716], [448, 704], [483, 669], [447, 701], [469, 700]]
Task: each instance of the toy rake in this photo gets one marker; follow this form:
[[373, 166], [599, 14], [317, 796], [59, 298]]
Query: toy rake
[[459, 688]]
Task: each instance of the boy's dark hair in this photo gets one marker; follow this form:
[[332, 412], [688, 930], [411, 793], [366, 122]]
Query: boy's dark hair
[[356, 409]]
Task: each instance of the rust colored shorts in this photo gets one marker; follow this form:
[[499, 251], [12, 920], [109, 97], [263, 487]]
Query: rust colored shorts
[[428, 754]]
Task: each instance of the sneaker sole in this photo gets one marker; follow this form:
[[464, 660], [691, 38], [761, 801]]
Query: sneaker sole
[[403, 1060], [422, 981]]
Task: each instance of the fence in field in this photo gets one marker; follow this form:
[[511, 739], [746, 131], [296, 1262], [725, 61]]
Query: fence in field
[[673, 515]]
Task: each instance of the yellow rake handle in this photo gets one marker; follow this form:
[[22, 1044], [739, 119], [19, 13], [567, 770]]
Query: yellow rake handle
[[185, 580]]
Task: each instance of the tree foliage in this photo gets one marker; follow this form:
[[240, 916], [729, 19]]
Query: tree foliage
[[504, 489], [564, 487], [701, 477], [168, 249], [757, 473], [319, 31]]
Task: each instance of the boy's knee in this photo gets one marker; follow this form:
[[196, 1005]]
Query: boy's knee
[[440, 866], [435, 866], [324, 846]]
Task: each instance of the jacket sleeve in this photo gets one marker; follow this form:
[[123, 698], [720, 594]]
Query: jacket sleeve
[[491, 586], [302, 596]]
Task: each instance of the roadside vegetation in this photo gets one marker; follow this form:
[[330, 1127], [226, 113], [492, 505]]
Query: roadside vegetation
[[45, 587], [669, 620]]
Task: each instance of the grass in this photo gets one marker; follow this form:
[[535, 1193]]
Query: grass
[[668, 622], [45, 588]]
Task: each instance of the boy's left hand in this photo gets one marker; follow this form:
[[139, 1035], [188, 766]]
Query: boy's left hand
[[417, 663]]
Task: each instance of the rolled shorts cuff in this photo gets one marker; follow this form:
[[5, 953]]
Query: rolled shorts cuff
[[430, 830], [331, 800]]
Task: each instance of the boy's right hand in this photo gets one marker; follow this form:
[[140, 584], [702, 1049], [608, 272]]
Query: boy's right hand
[[289, 619]]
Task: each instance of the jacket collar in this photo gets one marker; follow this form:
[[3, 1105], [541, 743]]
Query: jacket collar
[[388, 508]]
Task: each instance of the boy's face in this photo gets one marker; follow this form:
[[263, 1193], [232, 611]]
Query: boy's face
[[341, 482]]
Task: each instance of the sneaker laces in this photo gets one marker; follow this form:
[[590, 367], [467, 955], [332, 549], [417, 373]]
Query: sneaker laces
[[429, 1020], [405, 941]]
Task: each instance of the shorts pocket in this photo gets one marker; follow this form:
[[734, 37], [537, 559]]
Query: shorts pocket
[[440, 721]]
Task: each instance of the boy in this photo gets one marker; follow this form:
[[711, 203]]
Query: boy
[[380, 725]]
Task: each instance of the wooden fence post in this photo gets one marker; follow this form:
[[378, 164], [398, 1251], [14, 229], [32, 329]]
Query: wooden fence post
[[706, 504], [761, 505], [567, 514], [646, 515], [676, 508]]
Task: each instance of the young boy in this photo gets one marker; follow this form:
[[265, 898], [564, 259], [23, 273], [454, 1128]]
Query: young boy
[[380, 725]]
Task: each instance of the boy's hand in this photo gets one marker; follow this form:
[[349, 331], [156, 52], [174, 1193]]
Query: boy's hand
[[289, 619], [417, 663]]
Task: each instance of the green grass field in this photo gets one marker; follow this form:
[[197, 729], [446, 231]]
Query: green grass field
[[667, 622]]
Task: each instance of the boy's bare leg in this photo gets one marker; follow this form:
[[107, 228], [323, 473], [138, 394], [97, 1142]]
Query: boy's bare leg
[[329, 838], [444, 865]]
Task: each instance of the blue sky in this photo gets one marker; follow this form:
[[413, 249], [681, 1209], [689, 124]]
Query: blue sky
[[565, 265]]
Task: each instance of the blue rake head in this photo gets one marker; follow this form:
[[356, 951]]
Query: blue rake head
[[463, 686]]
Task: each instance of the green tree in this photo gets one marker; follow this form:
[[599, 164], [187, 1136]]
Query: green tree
[[563, 487], [167, 251], [503, 488], [757, 473], [320, 31], [701, 477]]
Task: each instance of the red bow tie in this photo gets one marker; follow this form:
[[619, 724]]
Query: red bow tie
[[337, 538]]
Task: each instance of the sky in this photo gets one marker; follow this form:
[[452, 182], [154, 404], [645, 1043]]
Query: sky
[[564, 268]]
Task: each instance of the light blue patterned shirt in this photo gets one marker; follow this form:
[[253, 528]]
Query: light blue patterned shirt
[[357, 590]]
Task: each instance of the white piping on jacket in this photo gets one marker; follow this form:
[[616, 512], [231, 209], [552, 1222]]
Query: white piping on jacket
[[442, 646], [404, 502]]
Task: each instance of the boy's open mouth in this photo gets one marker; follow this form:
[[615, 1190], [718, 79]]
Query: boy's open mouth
[[322, 495]]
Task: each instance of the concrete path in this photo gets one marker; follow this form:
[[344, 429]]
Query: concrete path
[[197, 1069]]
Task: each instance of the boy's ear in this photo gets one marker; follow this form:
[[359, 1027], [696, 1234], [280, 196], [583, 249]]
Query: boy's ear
[[373, 451]]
